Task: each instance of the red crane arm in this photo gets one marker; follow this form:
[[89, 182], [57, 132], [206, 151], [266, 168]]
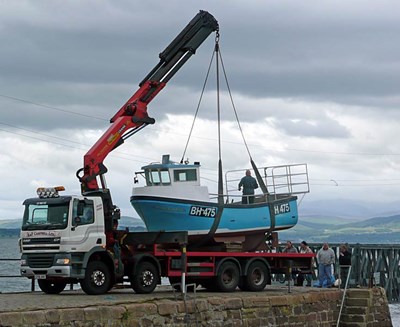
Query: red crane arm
[[133, 114]]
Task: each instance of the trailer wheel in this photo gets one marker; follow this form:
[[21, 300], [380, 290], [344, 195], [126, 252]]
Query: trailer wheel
[[228, 277], [97, 278], [52, 287], [146, 278], [256, 278]]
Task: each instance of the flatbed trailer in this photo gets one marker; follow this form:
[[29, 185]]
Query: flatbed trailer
[[211, 267]]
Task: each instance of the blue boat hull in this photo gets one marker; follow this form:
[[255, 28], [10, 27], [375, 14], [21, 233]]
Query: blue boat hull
[[198, 218]]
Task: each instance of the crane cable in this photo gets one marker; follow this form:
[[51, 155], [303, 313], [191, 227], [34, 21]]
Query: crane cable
[[216, 51], [198, 106]]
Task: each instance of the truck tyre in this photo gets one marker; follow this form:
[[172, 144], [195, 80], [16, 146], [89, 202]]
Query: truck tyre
[[146, 278], [256, 278], [97, 278], [228, 277], [52, 287]]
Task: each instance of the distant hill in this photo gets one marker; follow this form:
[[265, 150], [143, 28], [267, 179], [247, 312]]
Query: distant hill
[[344, 208], [11, 223], [373, 230], [9, 232], [127, 221], [11, 227]]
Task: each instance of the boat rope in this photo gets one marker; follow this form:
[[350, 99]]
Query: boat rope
[[255, 169], [218, 55], [198, 105], [233, 104]]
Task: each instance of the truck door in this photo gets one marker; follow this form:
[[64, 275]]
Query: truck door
[[85, 231]]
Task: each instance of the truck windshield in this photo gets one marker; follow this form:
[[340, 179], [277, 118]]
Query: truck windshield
[[45, 216]]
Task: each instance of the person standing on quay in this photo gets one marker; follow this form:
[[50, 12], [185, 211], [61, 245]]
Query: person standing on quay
[[325, 257], [289, 248], [344, 263], [249, 184], [304, 248]]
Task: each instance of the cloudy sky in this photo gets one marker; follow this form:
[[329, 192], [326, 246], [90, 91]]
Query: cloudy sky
[[313, 82]]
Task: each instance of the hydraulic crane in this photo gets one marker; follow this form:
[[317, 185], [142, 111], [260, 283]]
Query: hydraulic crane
[[133, 116]]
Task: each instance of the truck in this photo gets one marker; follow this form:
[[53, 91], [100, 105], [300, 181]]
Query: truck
[[69, 239]]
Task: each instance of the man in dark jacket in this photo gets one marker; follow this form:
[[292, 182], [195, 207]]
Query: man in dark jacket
[[344, 263], [249, 184]]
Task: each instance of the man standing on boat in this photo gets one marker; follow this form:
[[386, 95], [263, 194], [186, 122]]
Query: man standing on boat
[[249, 184]]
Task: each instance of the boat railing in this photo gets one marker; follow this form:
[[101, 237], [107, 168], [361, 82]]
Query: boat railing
[[287, 179], [240, 198], [237, 198], [281, 181]]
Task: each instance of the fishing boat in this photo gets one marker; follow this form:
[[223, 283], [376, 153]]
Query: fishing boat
[[173, 198]]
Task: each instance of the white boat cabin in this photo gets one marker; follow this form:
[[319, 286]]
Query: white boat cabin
[[172, 180]]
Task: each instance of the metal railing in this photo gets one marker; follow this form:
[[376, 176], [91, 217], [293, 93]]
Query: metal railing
[[16, 276], [10, 276], [371, 265], [280, 180]]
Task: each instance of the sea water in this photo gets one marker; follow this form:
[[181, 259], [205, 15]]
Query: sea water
[[9, 250], [9, 266]]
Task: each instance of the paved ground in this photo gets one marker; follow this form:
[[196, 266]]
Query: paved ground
[[12, 302]]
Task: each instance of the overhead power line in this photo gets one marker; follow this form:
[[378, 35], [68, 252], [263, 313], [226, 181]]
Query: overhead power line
[[84, 147], [52, 108], [198, 137]]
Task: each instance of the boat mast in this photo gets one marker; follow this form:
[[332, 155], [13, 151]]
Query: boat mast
[[220, 178]]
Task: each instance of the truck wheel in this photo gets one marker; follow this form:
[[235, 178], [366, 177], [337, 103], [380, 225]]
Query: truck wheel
[[256, 278], [228, 277], [51, 287], [146, 278], [97, 278]]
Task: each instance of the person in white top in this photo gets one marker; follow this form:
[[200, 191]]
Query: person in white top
[[325, 257]]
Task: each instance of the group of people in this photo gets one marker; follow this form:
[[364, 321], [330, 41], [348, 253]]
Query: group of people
[[326, 259], [325, 256]]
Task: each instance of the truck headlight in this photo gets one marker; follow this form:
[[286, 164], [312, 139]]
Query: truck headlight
[[23, 262], [63, 261]]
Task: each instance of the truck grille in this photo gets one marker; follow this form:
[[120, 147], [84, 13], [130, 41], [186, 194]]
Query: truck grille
[[39, 244], [40, 260]]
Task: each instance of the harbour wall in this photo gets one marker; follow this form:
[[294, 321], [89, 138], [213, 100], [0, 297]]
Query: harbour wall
[[302, 307]]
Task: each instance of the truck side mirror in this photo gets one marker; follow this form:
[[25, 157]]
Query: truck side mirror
[[76, 221]]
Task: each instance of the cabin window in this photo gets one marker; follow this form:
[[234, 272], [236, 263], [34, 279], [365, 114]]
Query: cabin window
[[185, 175], [165, 177], [157, 177]]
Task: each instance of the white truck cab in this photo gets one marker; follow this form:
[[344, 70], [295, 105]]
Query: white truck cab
[[59, 236]]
